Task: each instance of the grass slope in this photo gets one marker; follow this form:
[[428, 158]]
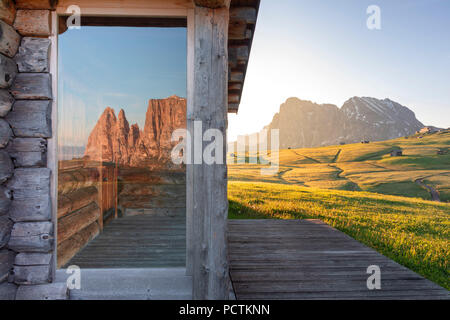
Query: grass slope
[[364, 167], [362, 191], [413, 232]]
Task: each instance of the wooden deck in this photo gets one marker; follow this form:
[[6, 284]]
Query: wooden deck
[[142, 241], [307, 259]]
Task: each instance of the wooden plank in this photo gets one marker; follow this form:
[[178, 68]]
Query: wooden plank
[[8, 71], [33, 22], [77, 221], [34, 55], [53, 291], [28, 152], [210, 268], [30, 187], [70, 181], [31, 237], [35, 4], [31, 119], [76, 200], [5, 230], [7, 290], [32, 86], [52, 157], [5, 200], [9, 39], [247, 14], [6, 263], [156, 242], [7, 11], [6, 102], [69, 248], [33, 259], [6, 166], [32, 275], [307, 259], [213, 4]]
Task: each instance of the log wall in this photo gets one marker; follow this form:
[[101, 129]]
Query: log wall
[[26, 228], [87, 199]]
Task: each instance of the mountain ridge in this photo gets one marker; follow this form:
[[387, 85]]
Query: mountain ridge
[[114, 140], [305, 124]]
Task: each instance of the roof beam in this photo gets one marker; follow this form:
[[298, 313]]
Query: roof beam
[[213, 4]]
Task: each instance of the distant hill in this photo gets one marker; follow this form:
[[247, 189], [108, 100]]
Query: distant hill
[[304, 124]]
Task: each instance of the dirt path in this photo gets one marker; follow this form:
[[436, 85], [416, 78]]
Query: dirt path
[[433, 191], [336, 156]]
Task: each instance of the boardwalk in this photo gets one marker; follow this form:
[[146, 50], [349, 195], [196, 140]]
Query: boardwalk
[[142, 241], [307, 259]]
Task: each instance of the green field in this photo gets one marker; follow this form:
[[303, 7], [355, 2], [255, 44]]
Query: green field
[[363, 167], [362, 191]]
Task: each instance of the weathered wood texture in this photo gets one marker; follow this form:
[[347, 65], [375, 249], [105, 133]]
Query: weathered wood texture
[[77, 220], [52, 291], [5, 230], [7, 11], [31, 191], [36, 4], [75, 200], [34, 55], [5, 200], [9, 39], [32, 86], [143, 241], [5, 133], [72, 180], [243, 15], [8, 71], [31, 119], [70, 247], [33, 259], [213, 4], [7, 290], [39, 274], [6, 102], [6, 166], [28, 152], [32, 237], [6, 263], [33, 22], [307, 259], [209, 184]]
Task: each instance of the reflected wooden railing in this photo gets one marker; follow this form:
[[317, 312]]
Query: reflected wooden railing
[[87, 201]]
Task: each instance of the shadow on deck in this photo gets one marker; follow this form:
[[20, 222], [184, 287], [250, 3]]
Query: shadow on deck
[[307, 259]]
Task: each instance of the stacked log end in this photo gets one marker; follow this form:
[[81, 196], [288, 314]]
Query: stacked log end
[[26, 227]]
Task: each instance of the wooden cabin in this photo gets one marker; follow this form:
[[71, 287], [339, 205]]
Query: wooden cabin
[[396, 153], [219, 39]]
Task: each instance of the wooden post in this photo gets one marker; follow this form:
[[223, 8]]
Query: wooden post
[[207, 184], [100, 188]]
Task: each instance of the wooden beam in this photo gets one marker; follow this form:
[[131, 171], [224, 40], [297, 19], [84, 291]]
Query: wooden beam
[[208, 196], [247, 14], [213, 4], [36, 4]]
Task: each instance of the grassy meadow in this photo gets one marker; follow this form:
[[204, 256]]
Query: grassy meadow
[[362, 191]]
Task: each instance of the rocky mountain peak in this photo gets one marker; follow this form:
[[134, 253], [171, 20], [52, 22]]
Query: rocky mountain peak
[[113, 139], [307, 124]]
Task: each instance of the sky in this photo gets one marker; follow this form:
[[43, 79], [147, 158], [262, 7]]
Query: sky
[[115, 67], [317, 50], [322, 51]]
